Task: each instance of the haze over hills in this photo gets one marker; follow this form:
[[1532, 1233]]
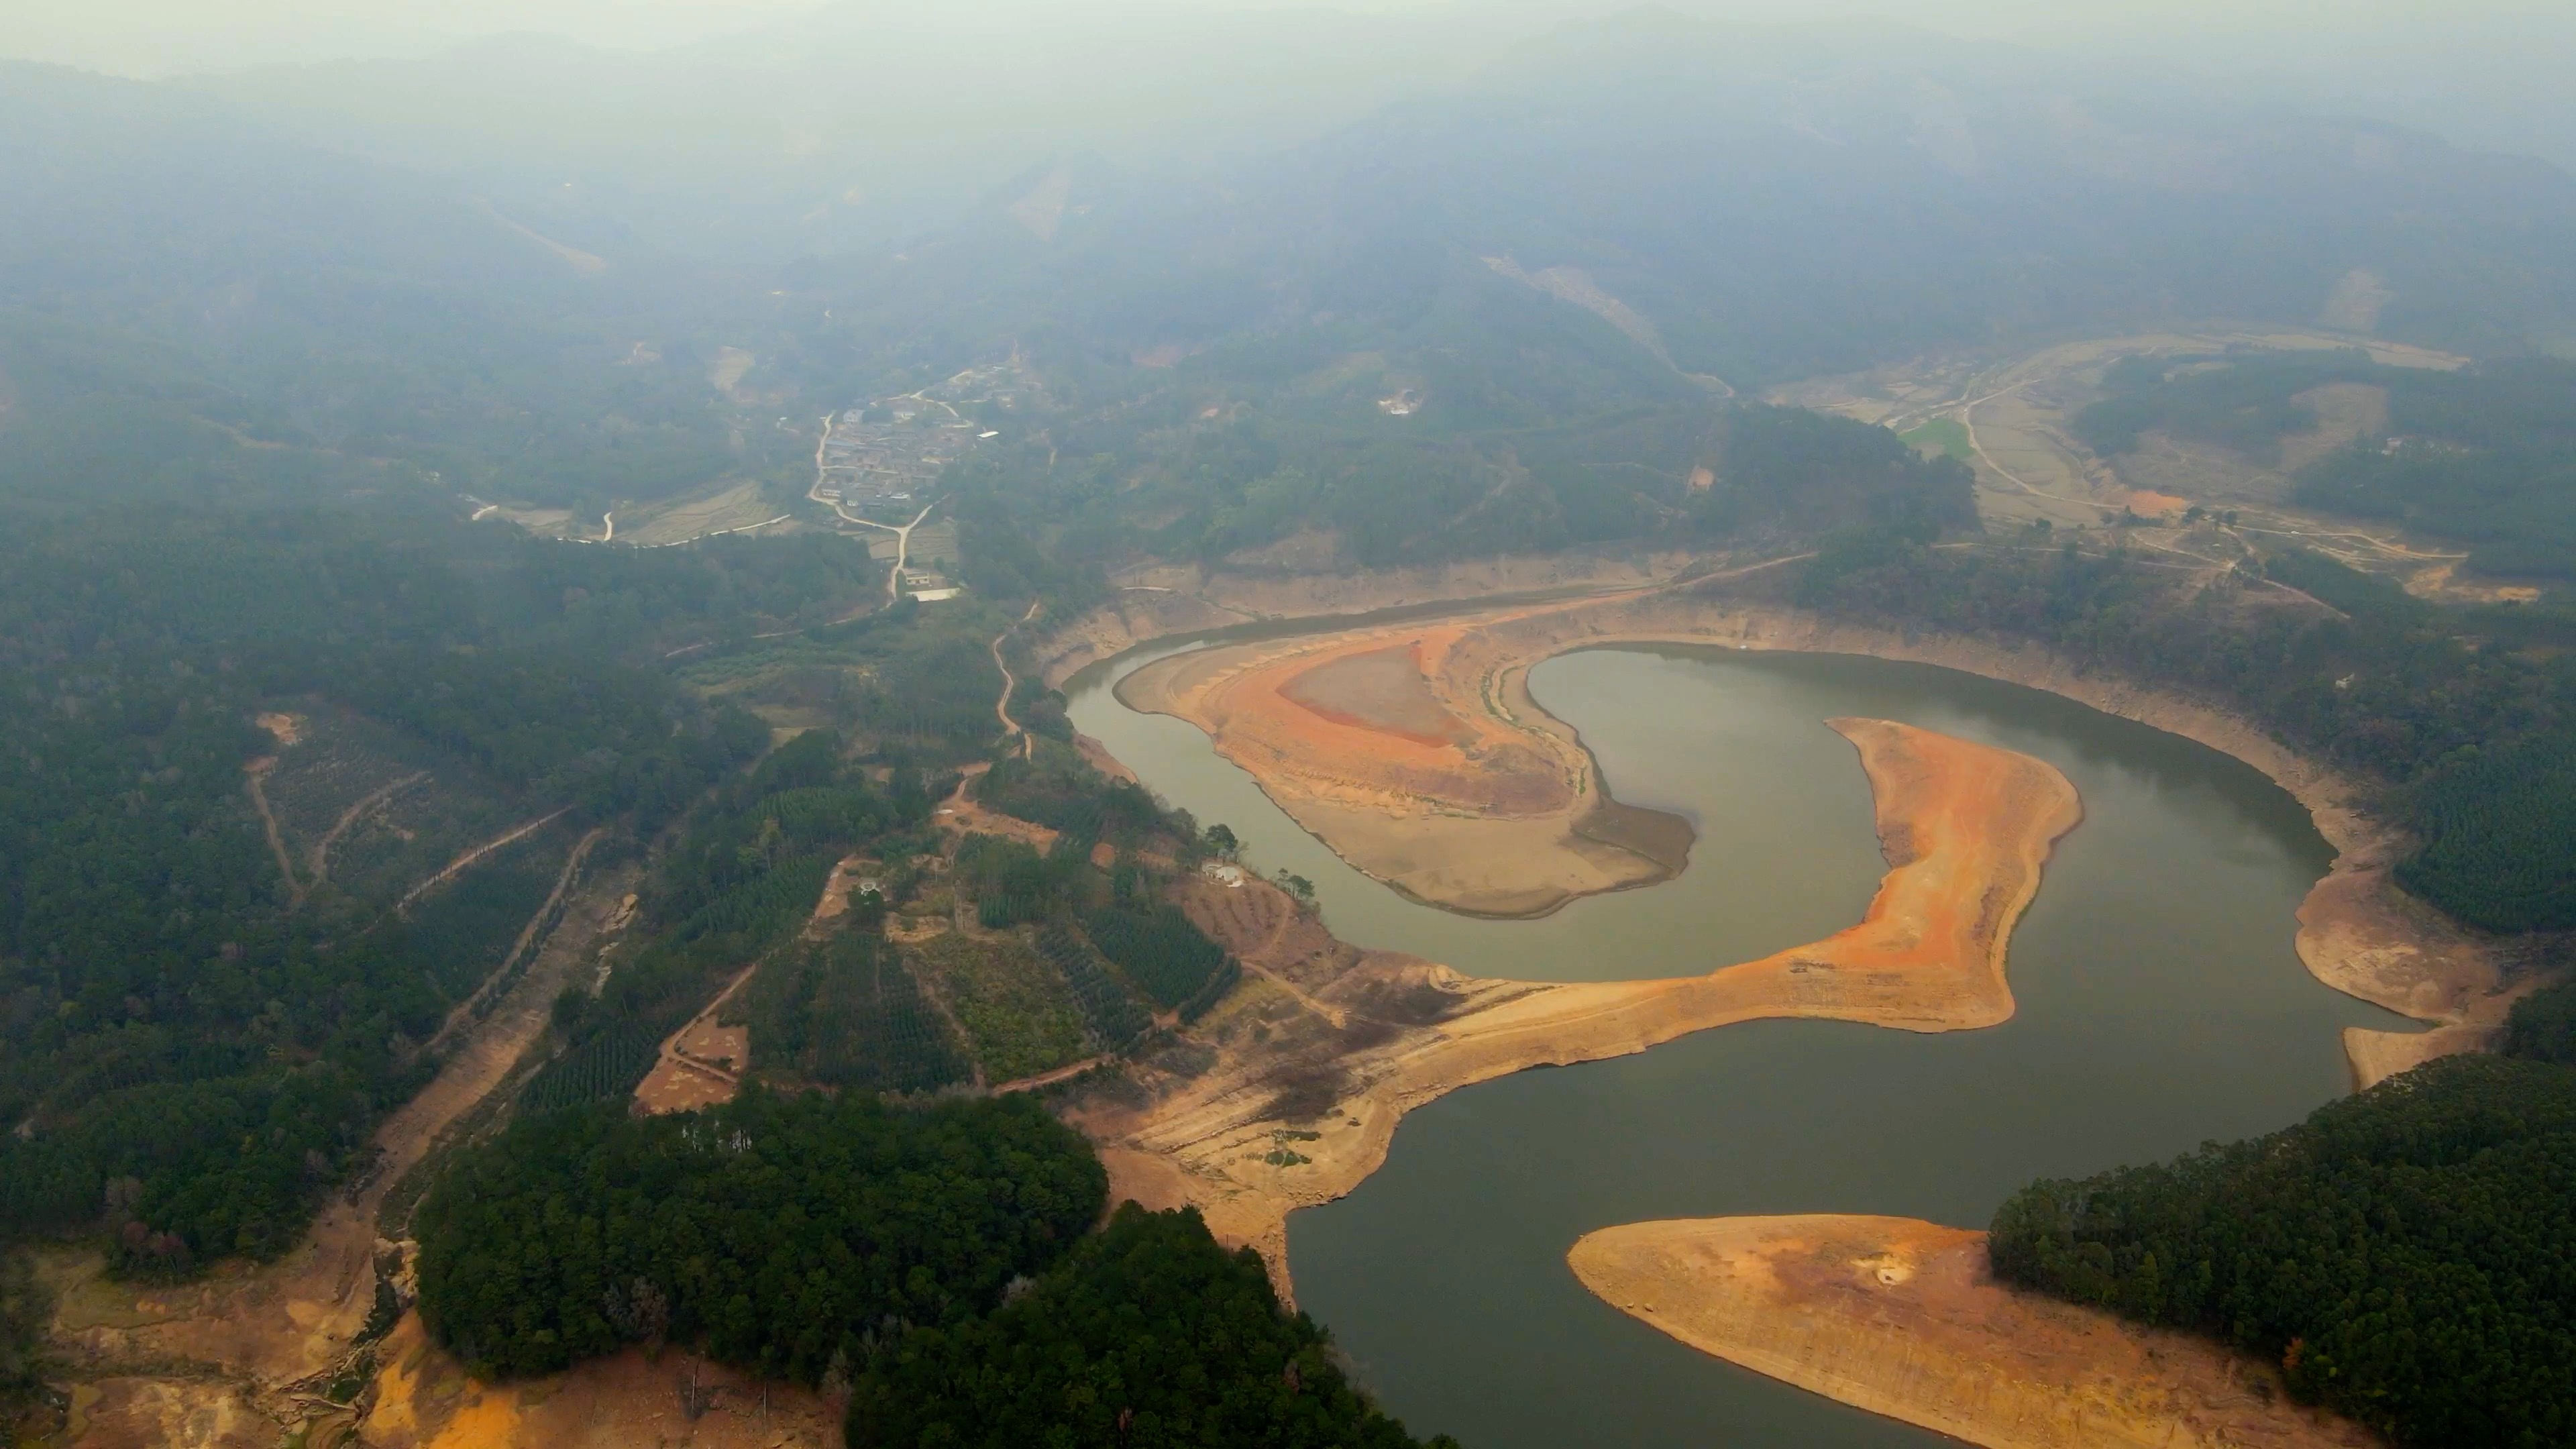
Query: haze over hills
[[181, 284], [1776, 204], [1648, 208], [849, 123], [565, 628], [856, 123]]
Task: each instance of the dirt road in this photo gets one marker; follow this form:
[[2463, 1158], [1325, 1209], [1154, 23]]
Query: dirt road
[[1002, 706], [477, 853]]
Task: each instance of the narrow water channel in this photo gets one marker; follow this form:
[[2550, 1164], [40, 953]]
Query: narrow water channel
[[2160, 1005]]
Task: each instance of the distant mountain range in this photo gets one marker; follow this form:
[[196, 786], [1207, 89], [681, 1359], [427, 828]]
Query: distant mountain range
[[505, 263], [1755, 205]]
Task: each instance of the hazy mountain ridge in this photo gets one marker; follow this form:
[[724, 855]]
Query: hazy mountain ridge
[[173, 263], [1784, 211]]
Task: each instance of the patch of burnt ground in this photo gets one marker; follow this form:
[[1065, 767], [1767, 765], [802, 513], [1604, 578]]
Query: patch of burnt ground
[[1305, 1091], [1402, 1003], [1319, 1078]]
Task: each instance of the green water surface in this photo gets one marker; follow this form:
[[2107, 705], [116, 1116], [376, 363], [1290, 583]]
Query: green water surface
[[2160, 1005]]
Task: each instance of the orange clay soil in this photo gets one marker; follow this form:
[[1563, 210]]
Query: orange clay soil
[[240, 1355], [424, 1399], [1384, 744], [1901, 1318], [2357, 932], [1326, 1047]]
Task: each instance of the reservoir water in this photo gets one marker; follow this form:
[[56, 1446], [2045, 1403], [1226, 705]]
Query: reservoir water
[[2160, 1005]]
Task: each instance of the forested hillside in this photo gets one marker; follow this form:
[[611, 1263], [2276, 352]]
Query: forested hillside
[[941, 1261], [1149, 1334], [306, 734], [1378, 492], [782, 1233], [744, 874], [2401, 1253], [170, 987]]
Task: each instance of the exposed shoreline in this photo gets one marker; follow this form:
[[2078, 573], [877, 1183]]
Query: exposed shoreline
[[1487, 814], [1901, 1318], [1328, 1047], [2357, 932]]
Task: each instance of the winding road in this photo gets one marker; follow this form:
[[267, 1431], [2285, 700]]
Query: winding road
[[1002, 706], [519, 832], [902, 532]]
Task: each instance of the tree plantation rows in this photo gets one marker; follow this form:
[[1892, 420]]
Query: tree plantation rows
[[853, 1009], [1172, 960], [1112, 1013], [847, 1012], [744, 876], [1115, 946], [606, 1065], [2500, 832]]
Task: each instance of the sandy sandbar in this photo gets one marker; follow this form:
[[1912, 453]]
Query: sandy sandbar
[[1328, 1047], [1385, 744], [2357, 932], [1900, 1317]]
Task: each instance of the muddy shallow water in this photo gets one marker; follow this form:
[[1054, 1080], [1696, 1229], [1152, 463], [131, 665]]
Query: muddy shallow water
[[2160, 1003]]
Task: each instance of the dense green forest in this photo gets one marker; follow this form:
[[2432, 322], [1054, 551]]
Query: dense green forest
[[2390, 689], [2486, 456], [783, 1234], [2401, 1254], [2543, 1026], [162, 1001], [941, 1260], [1057, 788], [24, 1309], [1148, 1335]]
